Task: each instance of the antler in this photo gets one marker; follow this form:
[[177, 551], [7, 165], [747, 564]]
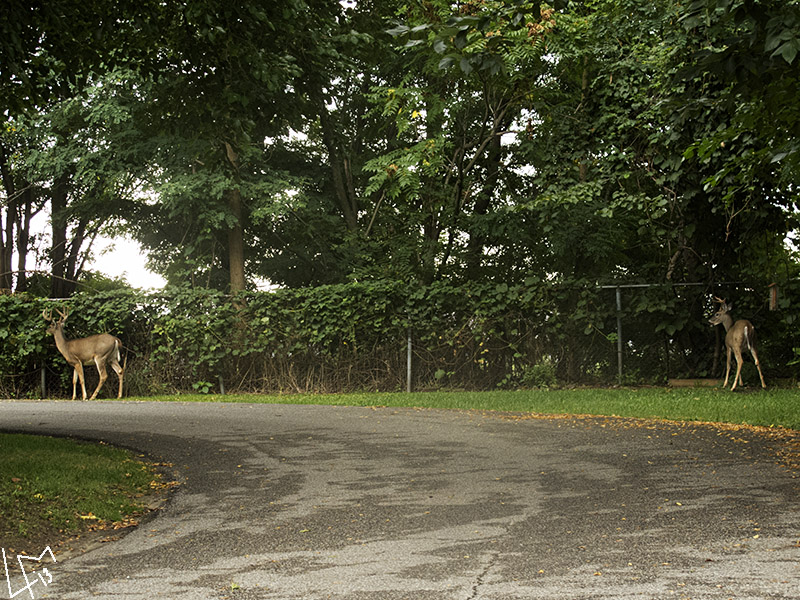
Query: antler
[[47, 314], [719, 300]]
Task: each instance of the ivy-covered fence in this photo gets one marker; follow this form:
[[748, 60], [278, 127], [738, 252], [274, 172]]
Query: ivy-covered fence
[[356, 337]]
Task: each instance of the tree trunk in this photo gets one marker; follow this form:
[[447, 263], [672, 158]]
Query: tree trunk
[[340, 170], [23, 236], [584, 166], [58, 251], [6, 247], [74, 268], [236, 243], [4, 282], [6, 230], [236, 232], [477, 238]]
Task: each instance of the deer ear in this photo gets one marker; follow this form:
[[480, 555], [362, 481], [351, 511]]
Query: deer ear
[[729, 305]]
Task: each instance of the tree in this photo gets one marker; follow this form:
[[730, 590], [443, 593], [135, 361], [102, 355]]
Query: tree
[[742, 75], [21, 205], [470, 77], [82, 157], [50, 52], [488, 140], [227, 90]]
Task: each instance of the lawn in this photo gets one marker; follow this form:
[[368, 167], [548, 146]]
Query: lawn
[[770, 408], [53, 488]]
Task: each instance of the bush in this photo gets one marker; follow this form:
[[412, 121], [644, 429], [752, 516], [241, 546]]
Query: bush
[[354, 337]]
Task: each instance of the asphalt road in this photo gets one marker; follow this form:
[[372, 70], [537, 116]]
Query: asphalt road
[[313, 502]]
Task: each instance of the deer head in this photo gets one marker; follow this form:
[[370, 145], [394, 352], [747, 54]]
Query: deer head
[[722, 316]]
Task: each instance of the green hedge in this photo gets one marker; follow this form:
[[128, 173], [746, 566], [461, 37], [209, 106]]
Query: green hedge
[[354, 337]]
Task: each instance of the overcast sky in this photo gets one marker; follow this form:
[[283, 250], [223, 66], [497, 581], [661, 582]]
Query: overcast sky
[[122, 257]]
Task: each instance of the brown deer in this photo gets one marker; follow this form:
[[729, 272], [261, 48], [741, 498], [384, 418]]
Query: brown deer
[[98, 349], [740, 335]]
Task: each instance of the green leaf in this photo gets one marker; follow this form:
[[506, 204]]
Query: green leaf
[[788, 51], [398, 30]]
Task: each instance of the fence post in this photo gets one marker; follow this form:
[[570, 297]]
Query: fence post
[[43, 382], [408, 362], [619, 334]]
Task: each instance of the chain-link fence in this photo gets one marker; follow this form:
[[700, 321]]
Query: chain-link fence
[[360, 337]]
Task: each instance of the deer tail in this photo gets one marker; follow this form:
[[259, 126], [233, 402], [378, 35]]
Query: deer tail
[[749, 337]]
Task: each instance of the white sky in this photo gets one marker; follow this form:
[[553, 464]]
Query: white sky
[[123, 257], [114, 257]]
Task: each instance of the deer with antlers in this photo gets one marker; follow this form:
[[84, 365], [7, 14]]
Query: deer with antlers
[[740, 335], [98, 349]]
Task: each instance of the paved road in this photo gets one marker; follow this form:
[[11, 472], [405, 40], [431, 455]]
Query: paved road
[[310, 502]]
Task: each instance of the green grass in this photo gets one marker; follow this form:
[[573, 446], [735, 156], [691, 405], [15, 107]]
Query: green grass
[[50, 487], [774, 407]]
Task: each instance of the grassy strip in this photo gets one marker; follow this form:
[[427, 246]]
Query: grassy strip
[[771, 408], [52, 487]]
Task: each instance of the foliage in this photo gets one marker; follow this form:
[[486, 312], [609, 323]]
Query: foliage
[[349, 337], [80, 158], [447, 173], [749, 59], [484, 141], [474, 171]]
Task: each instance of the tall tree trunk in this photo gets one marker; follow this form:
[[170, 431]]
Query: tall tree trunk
[[236, 232], [7, 248], [5, 269], [477, 238], [58, 251], [6, 229], [236, 243], [584, 165], [23, 237], [74, 265], [340, 169]]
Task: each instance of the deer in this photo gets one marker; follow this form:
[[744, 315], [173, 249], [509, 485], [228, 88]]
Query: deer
[[740, 335], [98, 349]]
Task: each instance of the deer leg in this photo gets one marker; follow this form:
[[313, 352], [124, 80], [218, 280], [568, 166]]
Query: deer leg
[[77, 374], [120, 372], [101, 369], [728, 370], [758, 366], [738, 377]]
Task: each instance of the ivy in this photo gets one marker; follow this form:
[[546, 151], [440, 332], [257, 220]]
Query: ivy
[[350, 337]]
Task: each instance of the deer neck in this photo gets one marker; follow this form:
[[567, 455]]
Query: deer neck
[[727, 321], [61, 341]]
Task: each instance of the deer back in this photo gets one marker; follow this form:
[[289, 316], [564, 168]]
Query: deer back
[[742, 334], [102, 345]]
